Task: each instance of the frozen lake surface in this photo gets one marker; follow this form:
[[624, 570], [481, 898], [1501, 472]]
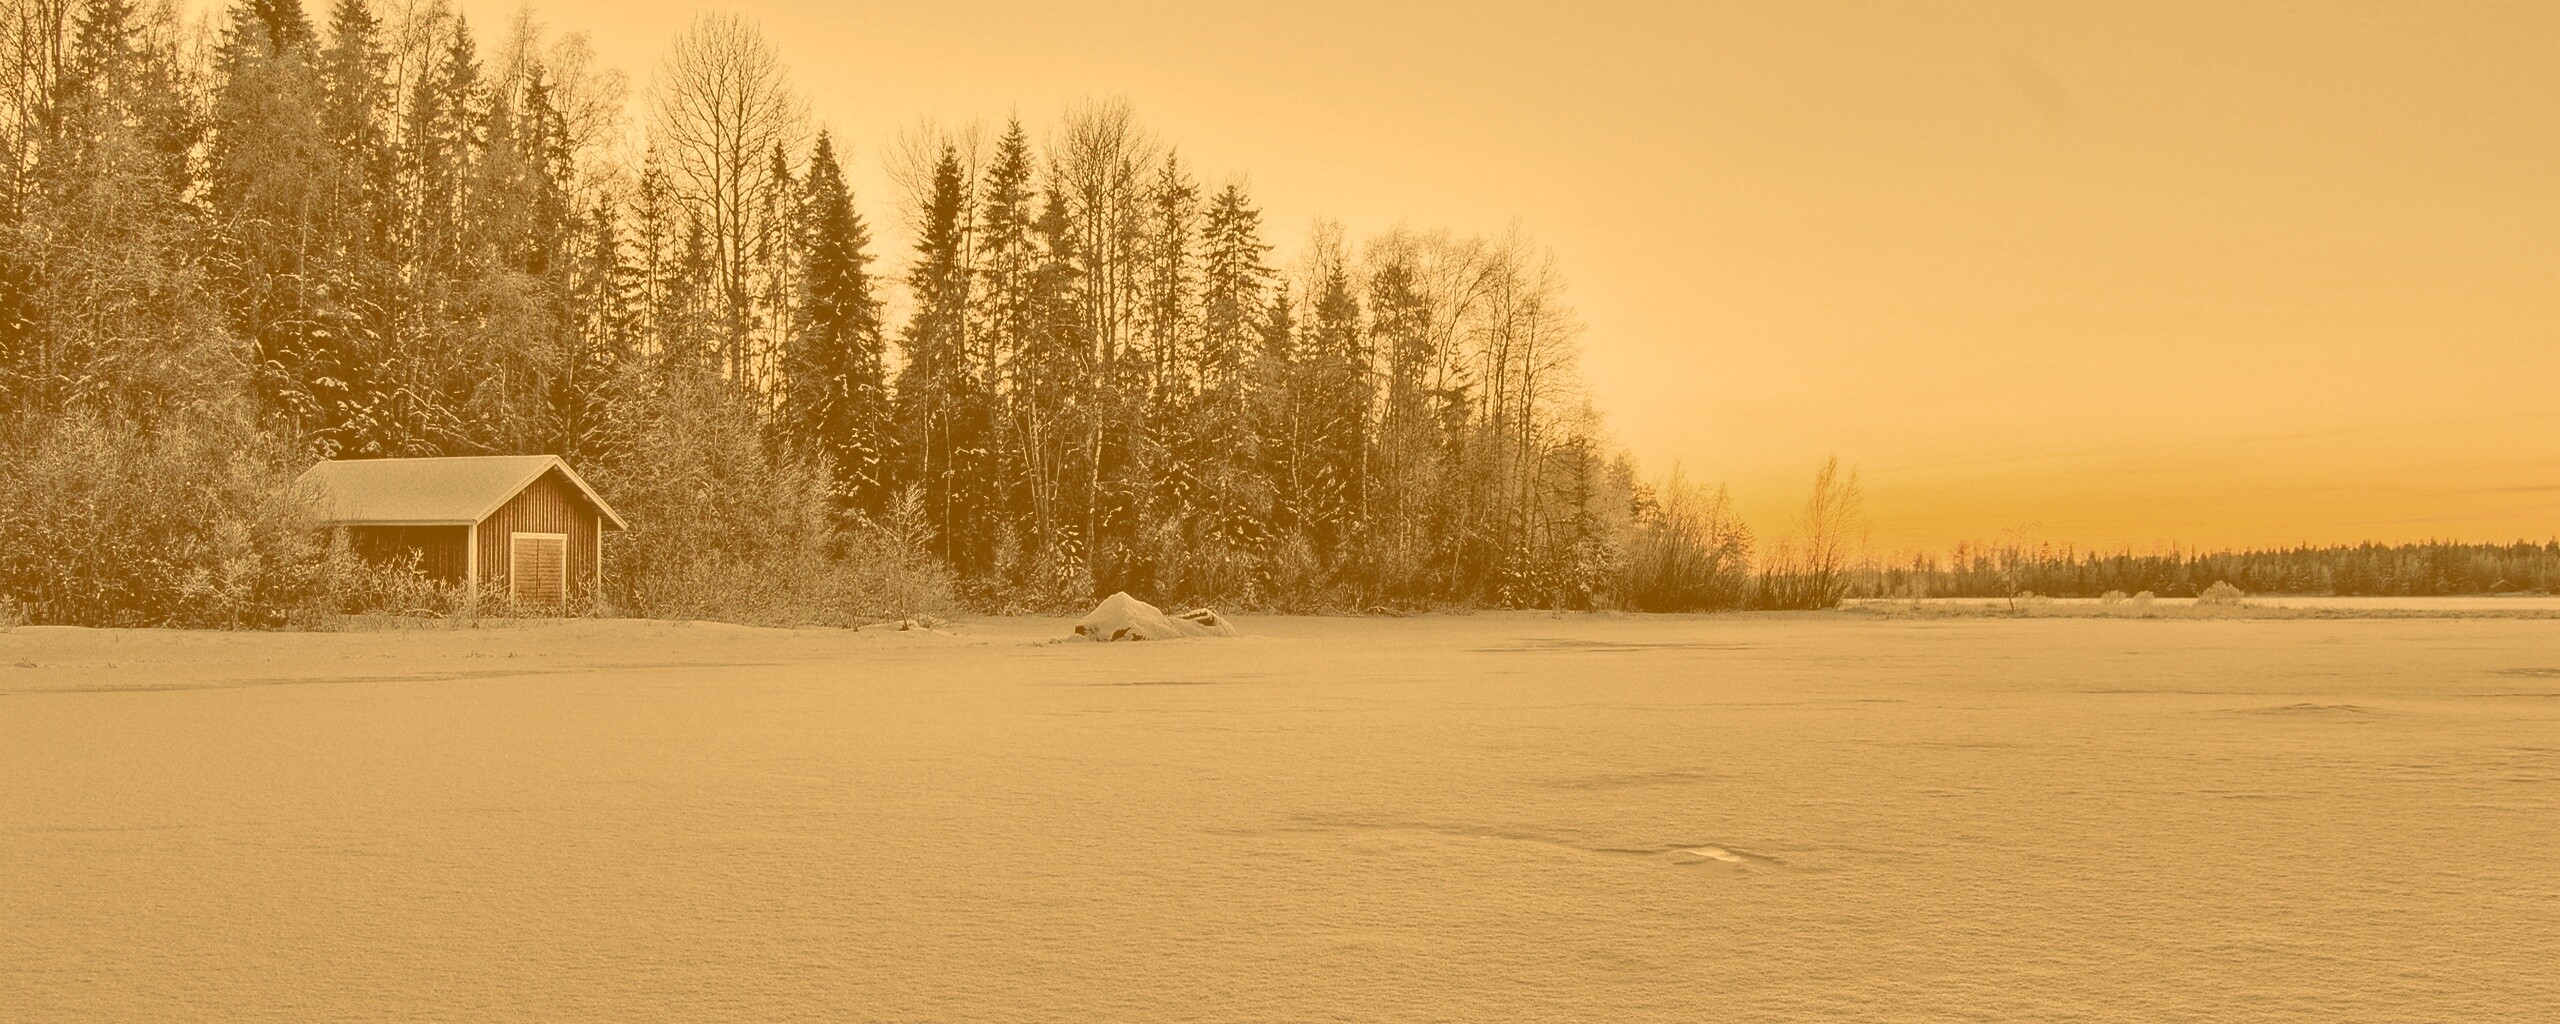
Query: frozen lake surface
[[1485, 818]]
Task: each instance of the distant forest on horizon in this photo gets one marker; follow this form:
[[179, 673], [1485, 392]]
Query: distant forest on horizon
[[230, 248], [2430, 569]]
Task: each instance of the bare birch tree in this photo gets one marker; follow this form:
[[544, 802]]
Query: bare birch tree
[[1834, 518], [723, 105]]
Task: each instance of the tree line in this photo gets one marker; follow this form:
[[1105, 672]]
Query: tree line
[[2431, 569], [229, 248]]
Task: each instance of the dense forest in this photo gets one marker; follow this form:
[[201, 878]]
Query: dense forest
[[235, 245], [228, 249]]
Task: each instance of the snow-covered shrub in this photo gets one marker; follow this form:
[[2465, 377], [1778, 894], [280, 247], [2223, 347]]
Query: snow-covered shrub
[[2221, 595], [1295, 572], [891, 553], [724, 526], [188, 522], [1054, 581]]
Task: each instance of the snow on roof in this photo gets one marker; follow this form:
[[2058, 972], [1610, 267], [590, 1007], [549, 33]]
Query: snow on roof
[[456, 491]]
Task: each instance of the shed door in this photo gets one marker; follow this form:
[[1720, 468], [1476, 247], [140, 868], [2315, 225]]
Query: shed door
[[538, 570]]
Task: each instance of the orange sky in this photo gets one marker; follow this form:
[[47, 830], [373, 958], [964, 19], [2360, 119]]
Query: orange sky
[[2195, 272]]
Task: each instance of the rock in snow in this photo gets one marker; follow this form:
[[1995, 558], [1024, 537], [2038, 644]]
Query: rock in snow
[[1121, 617]]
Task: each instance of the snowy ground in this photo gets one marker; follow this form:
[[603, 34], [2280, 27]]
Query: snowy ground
[[1488, 818]]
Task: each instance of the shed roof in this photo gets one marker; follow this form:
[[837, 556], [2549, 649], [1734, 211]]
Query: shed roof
[[457, 491]]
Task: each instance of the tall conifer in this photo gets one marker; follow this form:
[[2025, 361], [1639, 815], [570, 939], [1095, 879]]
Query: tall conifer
[[835, 394]]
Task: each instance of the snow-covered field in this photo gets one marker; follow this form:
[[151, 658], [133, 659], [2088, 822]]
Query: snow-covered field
[[1486, 818], [2516, 605]]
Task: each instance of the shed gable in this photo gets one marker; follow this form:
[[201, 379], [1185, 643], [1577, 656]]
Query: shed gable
[[550, 504]]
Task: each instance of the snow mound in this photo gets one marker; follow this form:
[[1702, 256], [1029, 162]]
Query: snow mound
[[1121, 617]]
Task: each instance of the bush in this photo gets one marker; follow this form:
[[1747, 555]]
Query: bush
[[1294, 575], [192, 522], [1053, 581], [387, 594], [1687, 552], [2221, 595], [891, 555], [724, 527]]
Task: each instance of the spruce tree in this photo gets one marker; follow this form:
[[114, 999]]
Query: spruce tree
[[1056, 405], [1007, 258], [446, 130], [1330, 387], [361, 213], [106, 47], [270, 191], [778, 258], [1233, 278], [605, 303], [1005, 313], [279, 24], [1399, 492], [542, 184], [106, 311], [945, 445], [1167, 279], [1221, 438], [835, 395]]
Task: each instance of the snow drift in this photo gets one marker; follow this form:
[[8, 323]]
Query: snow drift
[[1121, 617]]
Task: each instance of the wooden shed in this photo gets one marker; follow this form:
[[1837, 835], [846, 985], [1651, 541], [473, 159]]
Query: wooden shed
[[522, 525]]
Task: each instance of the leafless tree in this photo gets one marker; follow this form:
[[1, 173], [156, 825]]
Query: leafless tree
[[1096, 165], [1834, 518], [723, 104], [32, 33], [588, 96]]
